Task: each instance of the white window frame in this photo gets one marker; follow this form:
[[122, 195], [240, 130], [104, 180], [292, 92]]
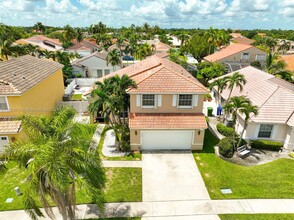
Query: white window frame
[[184, 106], [105, 74], [101, 73], [272, 131], [148, 106], [256, 58], [8, 107], [245, 58]]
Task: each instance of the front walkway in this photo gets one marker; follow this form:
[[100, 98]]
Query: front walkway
[[186, 210], [171, 176]]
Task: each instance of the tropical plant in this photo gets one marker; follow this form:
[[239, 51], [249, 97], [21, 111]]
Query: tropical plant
[[79, 35], [248, 110], [39, 27], [57, 156], [210, 35], [220, 84], [273, 64], [143, 51], [198, 46], [111, 101], [210, 70], [284, 46], [48, 54], [235, 80], [113, 58]]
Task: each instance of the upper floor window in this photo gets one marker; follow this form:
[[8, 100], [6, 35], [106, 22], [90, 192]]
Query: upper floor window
[[265, 131], [3, 104], [99, 73], [245, 56], [260, 57], [148, 101], [185, 101]]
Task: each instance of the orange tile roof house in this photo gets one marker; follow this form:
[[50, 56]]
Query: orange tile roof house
[[166, 106], [238, 38], [275, 99], [28, 85], [236, 56], [42, 42], [85, 47]]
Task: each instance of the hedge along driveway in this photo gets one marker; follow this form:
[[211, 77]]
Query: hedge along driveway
[[271, 180]]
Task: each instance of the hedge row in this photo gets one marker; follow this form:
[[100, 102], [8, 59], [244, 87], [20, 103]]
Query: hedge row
[[267, 145], [224, 130]]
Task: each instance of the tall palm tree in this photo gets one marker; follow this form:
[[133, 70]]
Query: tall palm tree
[[248, 110], [111, 101], [273, 64], [234, 105], [220, 83], [235, 80], [58, 158], [143, 51], [48, 54], [210, 36], [113, 58], [79, 35], [5, 48]]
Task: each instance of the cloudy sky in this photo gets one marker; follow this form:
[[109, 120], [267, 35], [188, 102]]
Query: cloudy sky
[[236, 14]]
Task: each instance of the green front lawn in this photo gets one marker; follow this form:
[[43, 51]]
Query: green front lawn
[[257, 217], [271, 180], [123, 184], [133, 156]]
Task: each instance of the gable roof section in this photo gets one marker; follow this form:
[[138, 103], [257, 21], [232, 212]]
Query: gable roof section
[[273, 96], [158, 75], [228, 51], [100, 55], [21, 74]]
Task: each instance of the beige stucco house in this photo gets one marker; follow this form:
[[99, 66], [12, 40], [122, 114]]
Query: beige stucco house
[[166, 107], [236, 56], [275, 99]]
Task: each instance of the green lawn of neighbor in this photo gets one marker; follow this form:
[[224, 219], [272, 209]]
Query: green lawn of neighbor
[[123, 184], [76, 97], [271, 180], [257, 217]]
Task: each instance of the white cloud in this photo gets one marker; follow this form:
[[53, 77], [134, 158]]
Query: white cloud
[[17, 5], [96, 5], [62, 6]]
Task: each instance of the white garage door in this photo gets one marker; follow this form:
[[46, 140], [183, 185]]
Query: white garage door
[[166, 140]]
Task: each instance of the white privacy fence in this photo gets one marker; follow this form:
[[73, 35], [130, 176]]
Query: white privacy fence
[[79, 106], [79, 81]]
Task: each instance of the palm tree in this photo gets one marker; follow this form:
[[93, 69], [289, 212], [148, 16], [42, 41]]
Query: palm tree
[[247, 110], [79, 35], [111, 101], [235, 80], [58, 158], [143, 51], [284, 46], [113, 58], [210, 36], [48, 54], [273, 64], [220, 83], [5, 48], [235, 104]]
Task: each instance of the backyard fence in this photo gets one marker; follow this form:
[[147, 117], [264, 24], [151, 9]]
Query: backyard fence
[[79, 81], [79, 106]]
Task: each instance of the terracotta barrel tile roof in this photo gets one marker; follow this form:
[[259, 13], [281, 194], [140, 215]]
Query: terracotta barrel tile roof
[[10, 127], [167, 121], [21, 74]]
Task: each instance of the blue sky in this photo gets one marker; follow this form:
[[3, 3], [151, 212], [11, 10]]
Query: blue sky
[[235, 14]]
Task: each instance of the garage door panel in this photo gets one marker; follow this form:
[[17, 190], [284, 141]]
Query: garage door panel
[[166, 140]]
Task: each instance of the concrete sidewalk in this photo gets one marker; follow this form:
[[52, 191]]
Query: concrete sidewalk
[[186, 210]]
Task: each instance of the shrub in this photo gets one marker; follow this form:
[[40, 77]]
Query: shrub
[[267, 145], [291, 154], [226, 131], [226, 147]]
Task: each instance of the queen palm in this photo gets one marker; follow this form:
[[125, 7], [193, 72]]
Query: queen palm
[[113, 58], [56, 153], [5, 48], [143, 51], [284, 46], [220, 83], [210, 36], [248, 110], [79, 35], [273, 63], [235, 80], [48, 54]]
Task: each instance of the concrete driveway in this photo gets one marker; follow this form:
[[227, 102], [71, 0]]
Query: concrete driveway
[[171, 176]]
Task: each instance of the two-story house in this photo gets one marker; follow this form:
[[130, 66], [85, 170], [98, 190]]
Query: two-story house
[[166, 107], [93, 66], [237, 56], [28, 85]]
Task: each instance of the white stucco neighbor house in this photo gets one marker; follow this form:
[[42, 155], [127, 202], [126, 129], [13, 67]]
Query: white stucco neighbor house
[[93, 66], [275, 99]]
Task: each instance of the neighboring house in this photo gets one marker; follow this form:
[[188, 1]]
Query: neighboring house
[[28, 85], [237, 56], [175, 41], [161, 47], [93, 66], [166, 107], [238, 38], [275, 99], [84, 48], [43, 42], [289, 60], [291, 46]]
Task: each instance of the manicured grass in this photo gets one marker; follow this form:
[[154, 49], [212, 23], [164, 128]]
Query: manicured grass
[[257, 217], [123, 184], [271, 180], [76, 97], [133, 156]]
